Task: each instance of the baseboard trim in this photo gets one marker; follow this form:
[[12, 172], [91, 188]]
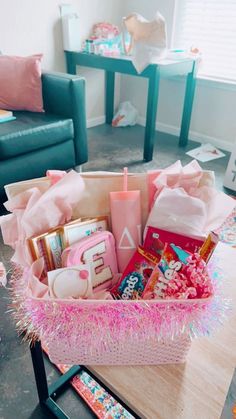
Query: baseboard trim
[[172, 130], [193, 135], [93, 122]]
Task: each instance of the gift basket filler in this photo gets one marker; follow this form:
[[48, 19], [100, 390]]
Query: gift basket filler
[[116, 268]]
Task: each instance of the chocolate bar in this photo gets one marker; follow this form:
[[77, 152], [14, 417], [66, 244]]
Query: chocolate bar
[[54, 248], [78, 229], [208, 246], [37, 250]]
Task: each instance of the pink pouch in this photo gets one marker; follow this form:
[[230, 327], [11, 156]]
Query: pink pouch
[[98, 250]]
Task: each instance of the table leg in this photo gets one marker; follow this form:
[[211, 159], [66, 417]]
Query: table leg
[[39, 372], [153, 90], [109, 98], [44, 393], [188, 105]]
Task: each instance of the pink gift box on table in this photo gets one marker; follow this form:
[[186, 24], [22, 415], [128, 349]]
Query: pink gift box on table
[[105, 331]]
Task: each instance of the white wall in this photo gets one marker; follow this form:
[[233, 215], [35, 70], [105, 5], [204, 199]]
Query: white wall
[[213, 118], [29, 26]]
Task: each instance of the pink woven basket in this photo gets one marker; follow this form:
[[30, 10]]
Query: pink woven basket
[[142, 352], [95, 331], [121, 333], [111, 332]]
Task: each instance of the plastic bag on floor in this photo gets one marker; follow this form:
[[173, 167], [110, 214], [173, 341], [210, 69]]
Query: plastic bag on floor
[[126, 115]]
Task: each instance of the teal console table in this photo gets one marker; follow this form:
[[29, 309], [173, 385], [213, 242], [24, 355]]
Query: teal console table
[[166, 68]]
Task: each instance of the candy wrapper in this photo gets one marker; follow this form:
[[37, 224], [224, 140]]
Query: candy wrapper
[[193, 282], [136, 275], [152, 289], [179, 275], [156, 238], [208, 246]]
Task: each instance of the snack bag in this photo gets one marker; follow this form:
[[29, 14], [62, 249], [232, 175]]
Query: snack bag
[[173, 260], [136, 275], [156, 238], [154, 287], [179, 275]]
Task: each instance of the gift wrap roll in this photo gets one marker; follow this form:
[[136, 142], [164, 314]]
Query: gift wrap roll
[[126, 222]]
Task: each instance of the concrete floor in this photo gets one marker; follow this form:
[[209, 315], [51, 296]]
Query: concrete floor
[[109, 149]]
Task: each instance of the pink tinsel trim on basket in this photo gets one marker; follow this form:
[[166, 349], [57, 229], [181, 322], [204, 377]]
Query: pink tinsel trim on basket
[[97, 323]]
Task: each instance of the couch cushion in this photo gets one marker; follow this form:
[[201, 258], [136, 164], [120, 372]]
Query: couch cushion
[[33, 131], [20, 83]]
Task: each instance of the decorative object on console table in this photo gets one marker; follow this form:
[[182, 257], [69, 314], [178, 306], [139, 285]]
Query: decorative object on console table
[[105, 39], [71, 34]]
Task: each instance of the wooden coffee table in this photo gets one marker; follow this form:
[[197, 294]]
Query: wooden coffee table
[[196, 389]]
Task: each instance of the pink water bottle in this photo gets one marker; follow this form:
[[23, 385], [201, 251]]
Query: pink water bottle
[[126, 222]]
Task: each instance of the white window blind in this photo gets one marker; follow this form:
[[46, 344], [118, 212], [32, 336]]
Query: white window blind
[[209, 25]]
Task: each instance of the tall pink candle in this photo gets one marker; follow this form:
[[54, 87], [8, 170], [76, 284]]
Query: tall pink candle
[[126, 222]]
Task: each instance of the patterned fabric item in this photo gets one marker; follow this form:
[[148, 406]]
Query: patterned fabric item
[[103, 405], [227, 232]]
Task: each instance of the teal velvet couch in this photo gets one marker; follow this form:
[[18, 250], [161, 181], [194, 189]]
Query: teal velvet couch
[[54, 139]]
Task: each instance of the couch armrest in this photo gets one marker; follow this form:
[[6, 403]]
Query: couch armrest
[[64, 95]]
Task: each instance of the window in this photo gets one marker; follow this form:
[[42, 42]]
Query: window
[[209, 25]]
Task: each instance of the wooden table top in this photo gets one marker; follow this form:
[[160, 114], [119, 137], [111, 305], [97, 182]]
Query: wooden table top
[[194, 390]]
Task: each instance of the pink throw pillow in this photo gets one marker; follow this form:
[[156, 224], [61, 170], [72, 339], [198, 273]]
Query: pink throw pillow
[[20, 83]]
